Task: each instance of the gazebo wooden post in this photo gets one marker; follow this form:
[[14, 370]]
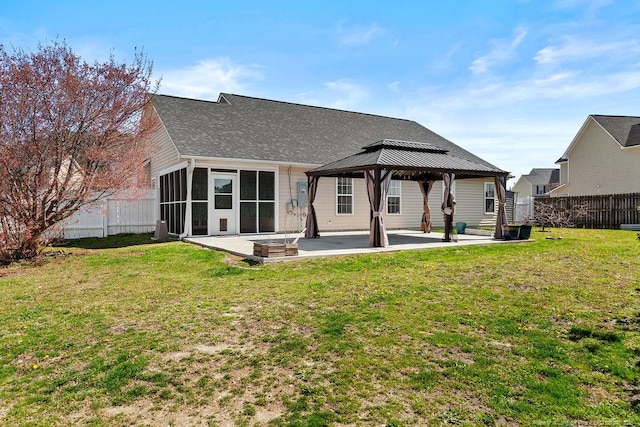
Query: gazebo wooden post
[[377, 194]]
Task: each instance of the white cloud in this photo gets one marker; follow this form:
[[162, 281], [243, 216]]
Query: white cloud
[[564, 86], [394, 87], [511, 138], [350, 94], [502, 50], [519, 124], [360, 36], [209, 77], [574, 48]]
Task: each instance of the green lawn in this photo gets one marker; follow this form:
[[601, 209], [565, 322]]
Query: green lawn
[[107, 333]]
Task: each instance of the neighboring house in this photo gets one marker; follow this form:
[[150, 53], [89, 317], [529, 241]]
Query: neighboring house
[[238, 166], [537, 183], [603, 158]]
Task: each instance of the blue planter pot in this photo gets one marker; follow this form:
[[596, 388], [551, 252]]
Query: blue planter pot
[[525, 232], [510, 232]]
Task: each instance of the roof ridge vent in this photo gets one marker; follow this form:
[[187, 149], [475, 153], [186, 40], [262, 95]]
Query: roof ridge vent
[[404, 145]]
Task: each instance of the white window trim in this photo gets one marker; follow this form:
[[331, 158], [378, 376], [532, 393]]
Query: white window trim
[[485, 198], [339, 194], [399, 196]]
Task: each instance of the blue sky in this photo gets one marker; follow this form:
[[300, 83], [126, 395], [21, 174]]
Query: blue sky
[[511, 81]]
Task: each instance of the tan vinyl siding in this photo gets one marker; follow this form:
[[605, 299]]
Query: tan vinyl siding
[[410, 208], [564, 172], [294, 220], [326, 209], [469, 207], [470, 203], [599, 165], [164, 153], [522, 187]]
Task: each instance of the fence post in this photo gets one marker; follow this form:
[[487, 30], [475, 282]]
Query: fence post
[[610, 212], [105, 217]]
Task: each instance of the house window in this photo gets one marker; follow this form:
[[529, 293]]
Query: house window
[[344, 195], [540, 189], [489, 197], [394, 196]]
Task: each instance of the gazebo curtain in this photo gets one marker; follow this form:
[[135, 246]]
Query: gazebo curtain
[[425, 188], [312, 221], [449, 202], [501, 219], [377, 187]]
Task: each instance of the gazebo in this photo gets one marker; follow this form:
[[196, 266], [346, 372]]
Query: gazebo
[[422, 162]]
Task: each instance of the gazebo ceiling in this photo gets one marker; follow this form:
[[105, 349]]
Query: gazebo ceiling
[[409, 160]]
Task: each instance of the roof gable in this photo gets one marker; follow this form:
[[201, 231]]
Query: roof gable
[[543, 176], [624, 129], [241, 127]]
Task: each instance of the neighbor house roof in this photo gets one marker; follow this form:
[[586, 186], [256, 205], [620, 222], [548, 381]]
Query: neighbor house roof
[[242, 127], [543, 176], [624, 129]]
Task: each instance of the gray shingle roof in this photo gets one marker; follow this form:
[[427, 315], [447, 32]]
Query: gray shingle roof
[[543, 176], [625, 129], [241, 127]]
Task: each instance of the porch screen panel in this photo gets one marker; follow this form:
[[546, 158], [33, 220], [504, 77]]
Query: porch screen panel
[[267, 185], [267, 217], [248, 217], [257, 201], [267, 193], [199, 203], [248, 185], [173, 200], [183, 184]]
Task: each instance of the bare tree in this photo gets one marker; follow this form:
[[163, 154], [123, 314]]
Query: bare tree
[[71, 133], [550, 215]]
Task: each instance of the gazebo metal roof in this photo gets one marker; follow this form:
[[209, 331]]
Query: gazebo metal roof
[[408, 160]]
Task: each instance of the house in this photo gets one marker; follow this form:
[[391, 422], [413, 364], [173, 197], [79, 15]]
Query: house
[[537, 183], [603, 158], [238, 166]]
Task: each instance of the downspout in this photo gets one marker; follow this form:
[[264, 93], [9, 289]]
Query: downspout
[[187, 215]]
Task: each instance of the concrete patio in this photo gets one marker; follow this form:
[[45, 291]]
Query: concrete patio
[[339, 243]]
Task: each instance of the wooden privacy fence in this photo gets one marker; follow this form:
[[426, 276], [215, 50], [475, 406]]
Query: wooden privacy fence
[[603, 211]]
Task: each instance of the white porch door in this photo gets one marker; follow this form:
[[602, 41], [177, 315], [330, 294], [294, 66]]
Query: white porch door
[[222, 210]]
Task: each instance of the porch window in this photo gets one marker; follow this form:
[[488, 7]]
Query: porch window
[[257, 201], [173, 200], [489, 198], [344, 195], [394, 197]]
